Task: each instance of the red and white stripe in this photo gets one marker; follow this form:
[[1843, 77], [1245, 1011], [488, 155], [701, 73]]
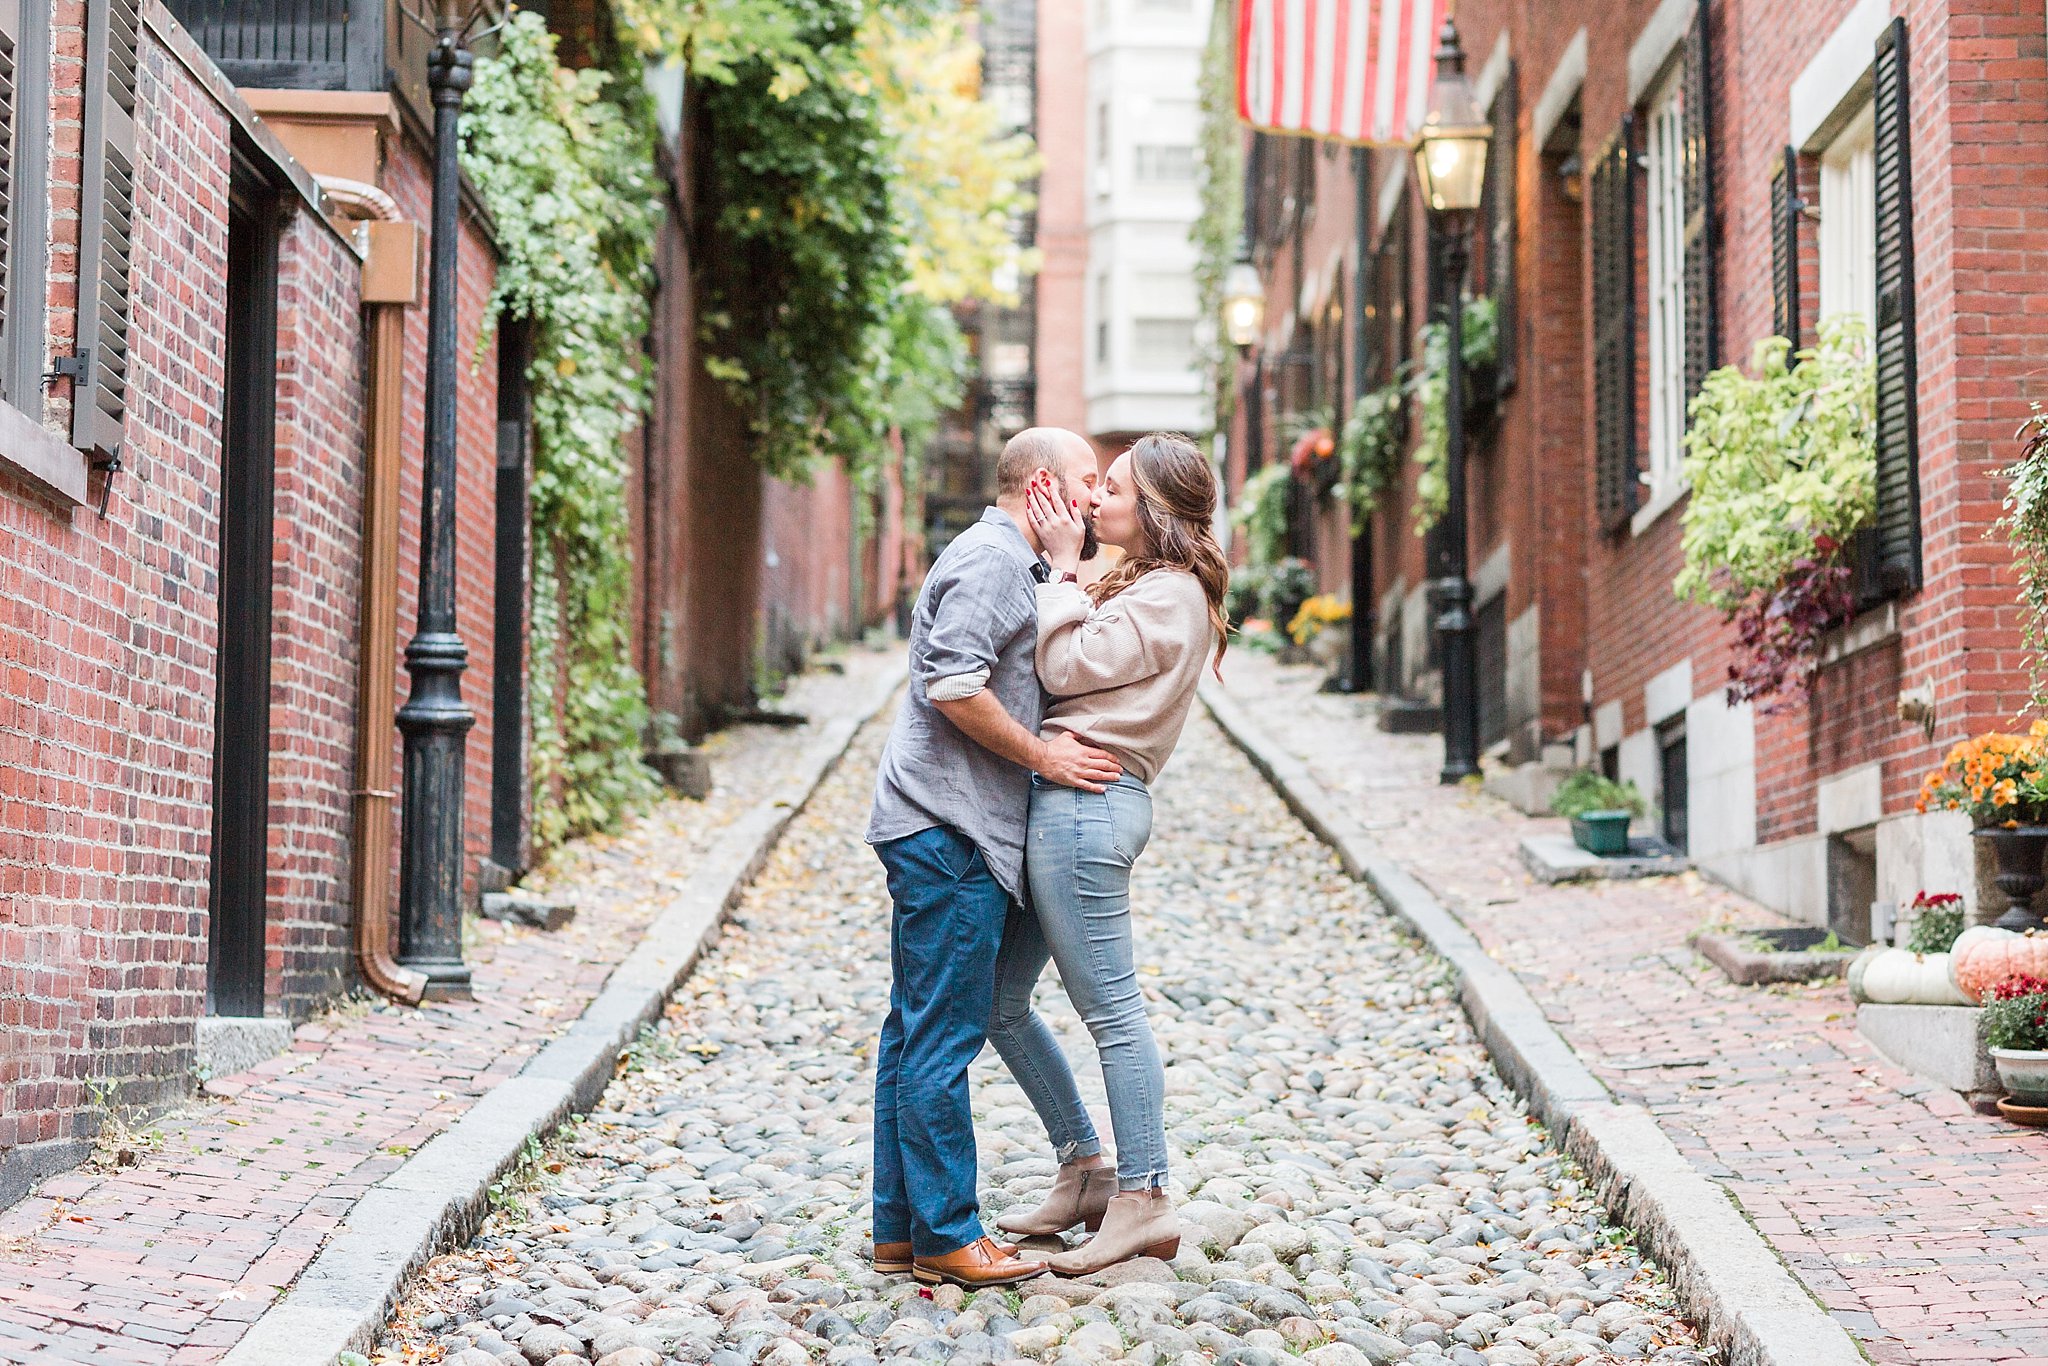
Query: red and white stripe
[[1354, 70]]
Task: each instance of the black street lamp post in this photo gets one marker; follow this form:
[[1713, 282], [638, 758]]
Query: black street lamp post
[[1453, 587], [1450, 164], [434, 720]]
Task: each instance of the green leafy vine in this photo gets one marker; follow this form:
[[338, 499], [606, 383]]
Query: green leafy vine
[[1368, 447], [1262, 513], [1776, 461], [1220, 183], [1430, 386], [565, 162], [2025, 525]]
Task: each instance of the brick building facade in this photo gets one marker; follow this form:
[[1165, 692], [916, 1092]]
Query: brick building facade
[[199, 643], [1622, 275]]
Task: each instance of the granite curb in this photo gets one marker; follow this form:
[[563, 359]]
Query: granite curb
[[439, 1196], [1729, 1279]]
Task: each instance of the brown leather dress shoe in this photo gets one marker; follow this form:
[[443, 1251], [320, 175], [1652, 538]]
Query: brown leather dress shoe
[[892, 1259], [982, 1262]]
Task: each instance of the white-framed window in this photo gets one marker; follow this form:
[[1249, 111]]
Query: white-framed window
[[1664, 162], [1163, 321], [1163, 164], [1848, 219]]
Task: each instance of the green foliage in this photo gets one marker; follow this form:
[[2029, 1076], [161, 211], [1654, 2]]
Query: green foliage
[[2016, 1016], [1262, 513], [1936, 927], [565, 163], [1291, 583], [804, 263], [2025, 525], [714, 39], [1247, 590], [1367, 449], [1430, 386], [1778, 461], [1219, 147], [1590, 790]]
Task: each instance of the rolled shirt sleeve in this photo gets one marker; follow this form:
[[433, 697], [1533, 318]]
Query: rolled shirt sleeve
[[980, 606]]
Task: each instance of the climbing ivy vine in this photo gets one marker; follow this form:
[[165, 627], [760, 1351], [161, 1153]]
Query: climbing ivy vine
[[1220, 181], [564, 160], [1430, 386]]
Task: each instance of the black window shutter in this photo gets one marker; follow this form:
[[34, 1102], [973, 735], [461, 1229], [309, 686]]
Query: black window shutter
[[1785, 248], [10, 121], [1614, 329], [1898, 440], [1702, 332], [1500, 229], [99, 401]]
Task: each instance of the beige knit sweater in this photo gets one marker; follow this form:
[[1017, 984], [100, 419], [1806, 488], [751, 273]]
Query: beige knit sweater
[[1122, 675]]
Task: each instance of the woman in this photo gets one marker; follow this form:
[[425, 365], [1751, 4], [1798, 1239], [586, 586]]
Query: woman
[[1120, 659]]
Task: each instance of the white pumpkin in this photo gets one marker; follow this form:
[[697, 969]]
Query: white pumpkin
[[1885, 976]]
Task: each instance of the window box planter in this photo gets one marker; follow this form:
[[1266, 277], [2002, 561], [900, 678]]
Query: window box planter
[[1604, 833]]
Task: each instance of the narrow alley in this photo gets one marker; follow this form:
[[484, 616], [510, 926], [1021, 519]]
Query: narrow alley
[[1358, 1185]]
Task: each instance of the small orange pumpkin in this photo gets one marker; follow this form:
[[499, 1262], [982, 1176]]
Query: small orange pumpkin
[[1985, 955]]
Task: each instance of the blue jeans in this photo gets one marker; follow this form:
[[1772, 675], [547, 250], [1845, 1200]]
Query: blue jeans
[[1078, 856], [943, 936]]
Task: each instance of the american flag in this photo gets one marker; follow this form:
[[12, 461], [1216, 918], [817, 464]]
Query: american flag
[[1354, 70]]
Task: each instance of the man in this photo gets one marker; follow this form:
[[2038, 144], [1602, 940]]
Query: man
[[951, 803]]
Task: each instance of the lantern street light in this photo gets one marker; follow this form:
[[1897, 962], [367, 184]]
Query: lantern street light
[[1450, 168], [435, 721], [1244, 301]]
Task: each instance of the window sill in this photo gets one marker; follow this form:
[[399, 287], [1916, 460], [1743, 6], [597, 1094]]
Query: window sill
[[28, 448], [1866, 631], [1662, 499]]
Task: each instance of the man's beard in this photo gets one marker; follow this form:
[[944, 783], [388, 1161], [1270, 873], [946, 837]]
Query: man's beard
[[1089, 544]]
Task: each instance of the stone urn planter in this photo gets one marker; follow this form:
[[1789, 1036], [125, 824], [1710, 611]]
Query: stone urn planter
[[2016, 854], [2024, 1073], [1604, 833]]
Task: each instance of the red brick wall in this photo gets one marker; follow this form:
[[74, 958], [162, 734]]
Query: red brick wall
[[107, 640], [316, 577], [1062, 110], [698, 511], [1978, 83]]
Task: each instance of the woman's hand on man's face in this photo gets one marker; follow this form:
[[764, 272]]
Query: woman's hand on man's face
[[1056, 521]]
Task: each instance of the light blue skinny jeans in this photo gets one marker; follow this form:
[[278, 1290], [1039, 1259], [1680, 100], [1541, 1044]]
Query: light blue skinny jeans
[[1078, 858]]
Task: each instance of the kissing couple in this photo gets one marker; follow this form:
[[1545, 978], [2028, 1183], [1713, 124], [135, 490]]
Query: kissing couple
[[1010, 807]]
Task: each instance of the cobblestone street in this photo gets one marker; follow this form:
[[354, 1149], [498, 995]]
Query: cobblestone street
[[1357, 1184]]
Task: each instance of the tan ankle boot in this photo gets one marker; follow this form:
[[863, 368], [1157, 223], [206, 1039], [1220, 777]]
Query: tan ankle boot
[[1079, 1195], [1137, 1224]]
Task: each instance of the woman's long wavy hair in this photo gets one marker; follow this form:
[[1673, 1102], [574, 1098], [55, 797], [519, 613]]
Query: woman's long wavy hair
[[1176, 500]]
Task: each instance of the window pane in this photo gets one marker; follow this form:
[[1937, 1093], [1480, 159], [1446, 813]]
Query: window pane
[[1848, 220], [1163, 343], [1664, 162], [1164, 165]]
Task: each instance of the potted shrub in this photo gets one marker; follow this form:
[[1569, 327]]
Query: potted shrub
[[2016, 1032], [1599, 809], [1999, 780], [1291, 583]]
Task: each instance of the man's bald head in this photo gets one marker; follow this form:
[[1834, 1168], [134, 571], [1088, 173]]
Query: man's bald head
[[1067, 454]]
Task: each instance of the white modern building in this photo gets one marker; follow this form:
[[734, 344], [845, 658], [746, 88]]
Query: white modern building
[[1141, 372]]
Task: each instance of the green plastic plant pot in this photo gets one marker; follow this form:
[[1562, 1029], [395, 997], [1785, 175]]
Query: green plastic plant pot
[[1602, 832]]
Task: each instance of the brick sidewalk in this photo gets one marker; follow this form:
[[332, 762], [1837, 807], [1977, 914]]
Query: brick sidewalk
[[170, 1260], [1920, 1224]]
